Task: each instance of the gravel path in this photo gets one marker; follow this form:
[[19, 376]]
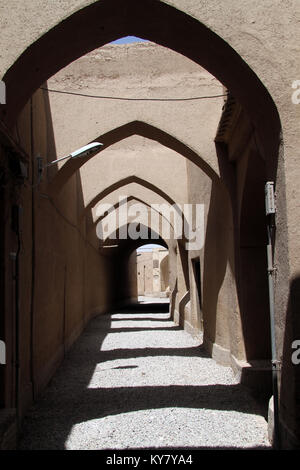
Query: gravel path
[[135, 380]]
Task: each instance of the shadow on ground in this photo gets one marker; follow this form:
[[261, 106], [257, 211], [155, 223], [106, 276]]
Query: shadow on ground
[[68, 401]]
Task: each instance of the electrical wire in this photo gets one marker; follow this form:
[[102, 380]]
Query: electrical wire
[[130, 99]]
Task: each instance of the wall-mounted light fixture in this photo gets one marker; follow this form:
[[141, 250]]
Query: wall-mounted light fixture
[[80, 153]]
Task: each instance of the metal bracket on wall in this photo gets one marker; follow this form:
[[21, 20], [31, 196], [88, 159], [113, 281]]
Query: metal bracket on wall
[[276, 365], [273, 270]]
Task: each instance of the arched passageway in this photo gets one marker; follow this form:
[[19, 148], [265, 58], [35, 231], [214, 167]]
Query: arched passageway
[[124, 258], [107, 209], [103, 22], [244, 231], [124, 182], [144, 383], [116, 135]]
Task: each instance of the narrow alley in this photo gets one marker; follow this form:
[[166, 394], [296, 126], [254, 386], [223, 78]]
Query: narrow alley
[[135, 380], [149, 208]]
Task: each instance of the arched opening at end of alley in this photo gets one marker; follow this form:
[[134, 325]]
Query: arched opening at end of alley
[[149, 276]]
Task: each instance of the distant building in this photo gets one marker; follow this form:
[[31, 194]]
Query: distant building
[[153, 272]]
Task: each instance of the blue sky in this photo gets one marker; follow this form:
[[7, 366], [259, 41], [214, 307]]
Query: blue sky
[[128, 40], [149, 247]]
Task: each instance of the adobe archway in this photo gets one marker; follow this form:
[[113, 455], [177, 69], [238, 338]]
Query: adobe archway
[[117, 205], [142, 129], [218, 53], [125, 181], [183, 263], [121, 284], [105, 21], [147, 19]]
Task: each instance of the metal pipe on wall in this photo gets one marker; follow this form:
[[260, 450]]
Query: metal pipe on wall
[[270, 213]]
